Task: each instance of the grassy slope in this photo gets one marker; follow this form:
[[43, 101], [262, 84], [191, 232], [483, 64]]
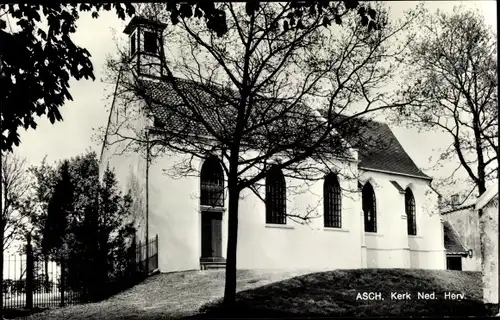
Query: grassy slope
[[281, 293], [334, 293], [164, 296]]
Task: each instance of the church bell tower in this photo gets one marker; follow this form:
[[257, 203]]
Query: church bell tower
[[146, 50]]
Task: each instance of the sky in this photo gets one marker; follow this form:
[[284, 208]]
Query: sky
[[90, 106]]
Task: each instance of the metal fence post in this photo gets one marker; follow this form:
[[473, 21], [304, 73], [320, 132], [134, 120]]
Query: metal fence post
[[147, 256], [29, 274], [157, 253], [133, 256], [63, 282]]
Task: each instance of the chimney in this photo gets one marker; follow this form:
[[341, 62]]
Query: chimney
[[455, 200]]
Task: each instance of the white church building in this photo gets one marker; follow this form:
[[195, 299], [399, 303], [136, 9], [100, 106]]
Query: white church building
[[390, 221]]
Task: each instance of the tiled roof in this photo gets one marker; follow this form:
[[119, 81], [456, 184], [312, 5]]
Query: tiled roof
[[163, 98], [469, 204], [385, 153], [452, 242], [299, 127], [378, 147]]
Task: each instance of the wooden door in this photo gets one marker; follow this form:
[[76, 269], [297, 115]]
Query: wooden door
[[211, 234], [454, 263]]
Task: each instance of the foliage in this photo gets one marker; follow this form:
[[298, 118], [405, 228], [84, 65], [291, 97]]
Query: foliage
[[44, 59], [85, 222], [39, 59], [452, 66], [216, 20], [19, 286], [107, 234], [59, 214], [45, 178], [115, 226], [14, 188]]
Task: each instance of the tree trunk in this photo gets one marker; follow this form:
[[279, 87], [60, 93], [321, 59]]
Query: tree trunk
[[232, 185], [482, 186], [232, 244]]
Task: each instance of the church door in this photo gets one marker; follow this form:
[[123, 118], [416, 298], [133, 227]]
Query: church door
[[454, 263], [211, 234]]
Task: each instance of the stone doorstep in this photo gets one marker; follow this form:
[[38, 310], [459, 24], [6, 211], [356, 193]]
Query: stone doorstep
[[214, 266], [212, 263], [212, 259]]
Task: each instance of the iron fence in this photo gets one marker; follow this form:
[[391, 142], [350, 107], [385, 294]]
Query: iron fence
[[32, 283], [147, 256], [43, 290]]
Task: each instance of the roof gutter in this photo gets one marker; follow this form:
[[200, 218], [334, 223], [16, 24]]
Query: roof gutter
[[434, 189], [460, 253], [457, 209], [396, 173]]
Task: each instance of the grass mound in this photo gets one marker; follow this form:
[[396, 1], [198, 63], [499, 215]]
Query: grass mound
[[336, 293]]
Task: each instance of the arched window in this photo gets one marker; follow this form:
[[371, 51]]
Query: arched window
[[410, 212], [275, 197], [369, 208], [332, 202], [212, 183]]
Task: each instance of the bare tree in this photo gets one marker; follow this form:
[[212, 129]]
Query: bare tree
[[14, 187], [452, 66], [261, 97]]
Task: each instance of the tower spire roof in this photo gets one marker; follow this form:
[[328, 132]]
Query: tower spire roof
[[141, 20]]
